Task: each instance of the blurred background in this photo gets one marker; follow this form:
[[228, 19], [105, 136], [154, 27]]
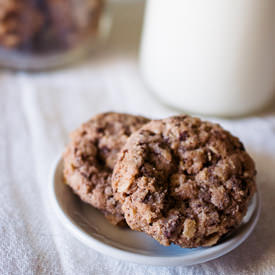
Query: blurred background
[[62, 61]]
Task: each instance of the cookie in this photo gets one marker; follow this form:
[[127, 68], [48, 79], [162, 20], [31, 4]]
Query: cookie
[[184, 181], [19, 22], [48, 25], [82, 21], [91, 155]]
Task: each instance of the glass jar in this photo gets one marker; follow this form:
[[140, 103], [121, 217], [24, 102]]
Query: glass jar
[[213, 57], [42, 34]]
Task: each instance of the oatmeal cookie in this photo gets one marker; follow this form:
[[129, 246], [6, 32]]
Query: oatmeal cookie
[[91, 155], [20, 20], [184, 181], [82, 20]]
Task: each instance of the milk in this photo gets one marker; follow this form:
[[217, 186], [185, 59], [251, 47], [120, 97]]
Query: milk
[[210, 56]]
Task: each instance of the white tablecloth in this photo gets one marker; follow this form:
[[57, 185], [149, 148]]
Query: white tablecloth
[[37, 111]]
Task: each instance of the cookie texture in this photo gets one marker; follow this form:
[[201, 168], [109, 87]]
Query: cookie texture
[[184, 181], [91, 155]]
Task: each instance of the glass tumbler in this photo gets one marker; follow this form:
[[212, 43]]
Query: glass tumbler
[[213, 57]]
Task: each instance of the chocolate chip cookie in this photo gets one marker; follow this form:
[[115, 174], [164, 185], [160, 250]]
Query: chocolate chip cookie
[[184, 181], [91, 155], [19, 22]]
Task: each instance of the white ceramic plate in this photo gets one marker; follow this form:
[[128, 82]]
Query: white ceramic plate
[[90, 227]]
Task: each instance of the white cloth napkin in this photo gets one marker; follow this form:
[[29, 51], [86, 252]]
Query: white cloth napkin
[[37, 111]]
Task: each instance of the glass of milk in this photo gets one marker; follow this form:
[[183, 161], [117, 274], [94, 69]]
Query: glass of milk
[[213, 57]]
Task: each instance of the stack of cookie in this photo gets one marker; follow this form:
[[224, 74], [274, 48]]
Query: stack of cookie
[[19, 22], [180, 180], [47, 25]]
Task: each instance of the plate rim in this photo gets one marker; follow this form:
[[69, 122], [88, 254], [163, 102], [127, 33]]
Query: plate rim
[[202, 256]]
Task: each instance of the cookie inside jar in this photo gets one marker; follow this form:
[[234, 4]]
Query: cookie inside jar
[[47, 26]]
